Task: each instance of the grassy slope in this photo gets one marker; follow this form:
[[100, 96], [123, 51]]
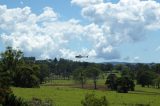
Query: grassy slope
[[65, 96]]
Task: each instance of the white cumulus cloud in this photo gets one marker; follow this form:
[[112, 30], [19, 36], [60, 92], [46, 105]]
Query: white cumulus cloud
[[84, 3], [46, 36], [128, 19], [125, 21]]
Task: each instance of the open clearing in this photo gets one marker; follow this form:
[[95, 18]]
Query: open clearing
[[71, 96]]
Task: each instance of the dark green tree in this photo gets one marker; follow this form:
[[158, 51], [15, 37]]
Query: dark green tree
[[109, 67], [118, 67], [10, 59], [156, 82], [128, 72], [156, 68], [145, 78], [111, 81], [27, 77], [93, 73], [44, 72], [80, 76], [4, 84], [125, 84]]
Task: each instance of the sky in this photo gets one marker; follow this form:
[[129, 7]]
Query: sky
[[103, 30]]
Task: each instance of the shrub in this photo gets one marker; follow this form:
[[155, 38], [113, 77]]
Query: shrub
[[91, 100], [12, 100], [142, 104], [39, 102]]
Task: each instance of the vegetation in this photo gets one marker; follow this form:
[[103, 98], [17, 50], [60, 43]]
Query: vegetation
[[91, 100], [93, 73], [80, 76], [125, 84], [27, 77], [12, 100], [8, 63], [39, 102], [156, 82], [13, 72], [4, 84], [145, 78], [111, 81], [69, 96], [27, 72], [120, 84]]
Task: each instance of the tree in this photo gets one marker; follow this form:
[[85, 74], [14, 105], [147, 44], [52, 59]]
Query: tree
[[156, 68], [93, 73], [20, 73], [109, 67], [145, 78], [127, 72], [4, 84], [118, 67], [80, 75], [10, 59], [156, 82], [44, 72], [27, 77], [63, 68], [111, 81], [141, 67], [125, 84]]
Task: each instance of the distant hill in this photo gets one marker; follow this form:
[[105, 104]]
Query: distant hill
[[115, 63]]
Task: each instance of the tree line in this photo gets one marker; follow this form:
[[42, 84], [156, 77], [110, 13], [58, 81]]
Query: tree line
[[17, 70]]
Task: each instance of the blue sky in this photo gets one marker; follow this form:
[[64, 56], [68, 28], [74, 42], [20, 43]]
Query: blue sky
[[105, 30]]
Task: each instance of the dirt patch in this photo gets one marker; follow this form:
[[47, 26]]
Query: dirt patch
[[91, 87]]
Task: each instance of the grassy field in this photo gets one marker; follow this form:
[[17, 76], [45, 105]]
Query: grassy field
[[69, 96], [71, 82]]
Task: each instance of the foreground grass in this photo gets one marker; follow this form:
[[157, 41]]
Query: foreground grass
[[66, 96]]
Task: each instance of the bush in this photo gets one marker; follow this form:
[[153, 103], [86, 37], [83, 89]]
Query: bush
[[142, 104], [12, 100], [39, 102], [121, 89], [91, 100], [3, 93]]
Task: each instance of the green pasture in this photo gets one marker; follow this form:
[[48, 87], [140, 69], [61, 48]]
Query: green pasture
[[70, 82], [70, 96]]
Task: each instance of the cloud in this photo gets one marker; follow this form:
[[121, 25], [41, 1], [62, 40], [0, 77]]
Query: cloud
[[48, 15], [158, 48], [45, 35], [125, 21], [136, 59], [84, 3]]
